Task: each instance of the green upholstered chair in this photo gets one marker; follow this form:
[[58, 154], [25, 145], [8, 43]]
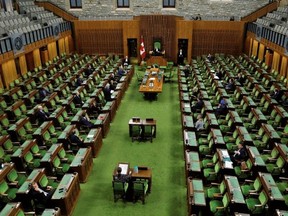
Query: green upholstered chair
[[275, 122], [9, 147], [256, 205], [119, 189], [270, 155], [45, 181], [244, 170], [53, 131], [5, 122], [262, 144], [276, 167], [282, 184], [250, 186], [48, 139], [206, 149], [7, 194], [216, 190], [219, 207], [231, 139], [140, 188], [284, 135], [209, 161], [23, 135], [16, 178], [29, 127], [136, 132], [60, 168], [211, 174], [157, 44], [30, 161], [3, 156], [65, 157], [37, 151], [139, 77]]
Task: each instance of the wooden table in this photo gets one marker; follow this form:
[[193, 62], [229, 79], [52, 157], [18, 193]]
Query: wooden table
[[196, 196], [145, 124], [152, 82], [160, 60]]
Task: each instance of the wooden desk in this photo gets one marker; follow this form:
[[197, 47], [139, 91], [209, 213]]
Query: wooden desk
[[234, 193], [145, 124], [52, 212], [225, 161], [94, 140], [143, 173], [160, 60], [255, 156], [12, 209], [103, 122], [66, 195], [185, 108], [190, 141], [82, 163], [195, 196], [276, 199], [193, 164], [152, 82], [187, 122]]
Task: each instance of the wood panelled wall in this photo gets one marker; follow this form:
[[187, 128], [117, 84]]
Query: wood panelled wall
[[203, 36], [99, 36]]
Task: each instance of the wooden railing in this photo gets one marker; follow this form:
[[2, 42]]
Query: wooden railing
[[57, 10], [261, 12]]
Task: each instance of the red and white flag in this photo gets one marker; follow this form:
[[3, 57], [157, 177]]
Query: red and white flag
[[142, 49]]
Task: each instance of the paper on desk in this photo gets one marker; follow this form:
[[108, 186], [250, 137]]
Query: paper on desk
[[124, 168], [228, 164]]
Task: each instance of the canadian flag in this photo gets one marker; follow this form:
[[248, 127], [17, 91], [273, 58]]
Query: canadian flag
[[142, 48]]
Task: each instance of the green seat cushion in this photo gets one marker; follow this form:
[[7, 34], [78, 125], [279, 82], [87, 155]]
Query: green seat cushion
[[211, 191], [246, 188], [214, 204]]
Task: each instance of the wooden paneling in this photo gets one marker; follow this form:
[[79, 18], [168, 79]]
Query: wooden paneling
[[255, 48], [261, 52], [284, 67], [217, 37], [23, 64], [184, 30], [52, 50], [61, 45], [36, 58], [9, 72], [130, 30], [99, 36]]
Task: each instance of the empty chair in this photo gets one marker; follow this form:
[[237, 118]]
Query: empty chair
[[216, 190], [250, 186], [219, 207], [140, 188], [119, 189], [256, 203]]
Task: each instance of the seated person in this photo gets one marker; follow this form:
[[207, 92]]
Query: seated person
[[198, 105], [79, 80], [230, 85], [121, 72], [199, 125], [77, 99], [187, 71], [107, 92], [276, 94], [89, 70], [41, 195], [239, 155], [219, 74], [240, 79], [43, 93], [85, 121], [41, 115], [121, 177], [222, 108], [126, 61], [74, 139]]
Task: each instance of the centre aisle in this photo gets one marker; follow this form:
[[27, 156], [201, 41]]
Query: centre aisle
[[164, 155]]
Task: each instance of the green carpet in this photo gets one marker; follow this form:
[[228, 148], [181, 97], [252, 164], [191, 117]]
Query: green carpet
[[164, 155]]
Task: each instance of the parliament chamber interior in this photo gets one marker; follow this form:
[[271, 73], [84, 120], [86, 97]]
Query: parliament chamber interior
[[78, 119]]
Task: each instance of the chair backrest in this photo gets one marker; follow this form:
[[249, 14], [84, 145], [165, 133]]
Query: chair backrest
[[3, 187], [28, 157], [257, 184], [280, 162], [118, 185], [35, 149], [138, 186], [8, 145], [157, 44], [62, 153], [263, 198], [222, 187], [12, 175], [56, 162], [225, 200], [43, 182]]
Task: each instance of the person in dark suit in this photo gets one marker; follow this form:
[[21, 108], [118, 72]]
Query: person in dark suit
[[39, 194], [75, 139], [121, 72], [79, 80], [126, 61], [239, 155], [240, 79], [121, 177], [222, 107], [85, 121], [89, 70], [77, 99], [276, 94], [43, 93], [107, 92], [157, 51], [198, 105], [41, 115], [180, 57], [230, 85]]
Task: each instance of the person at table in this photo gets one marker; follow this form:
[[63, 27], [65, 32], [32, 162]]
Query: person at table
[[77, 99], [198, 105], [187, 71], [41, 115], [85, 121], [276, 95], [39, 194], [199, 125], [107, 92], [74, 139], [180, 57], [121, 72], [79, 80], [121, 177], [89, 70], [240, 79], [230, 85], [126, 61], [239, 155], [157, 51], [222, 107], [43, 93]]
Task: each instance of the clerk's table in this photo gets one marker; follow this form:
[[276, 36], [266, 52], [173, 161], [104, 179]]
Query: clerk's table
[[152, 82]]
